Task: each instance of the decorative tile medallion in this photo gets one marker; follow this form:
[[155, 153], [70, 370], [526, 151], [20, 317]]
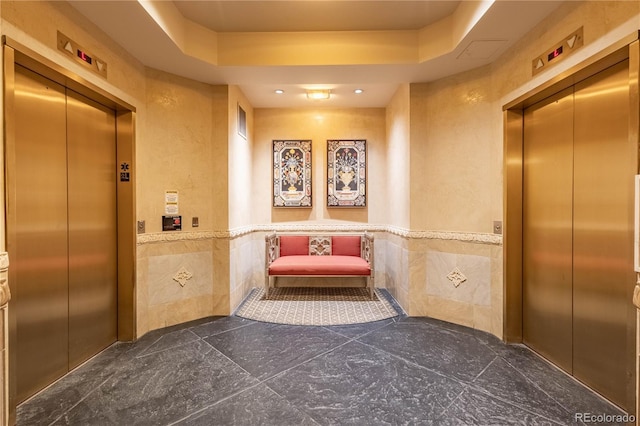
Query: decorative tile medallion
[[182, 276], [456, 277]]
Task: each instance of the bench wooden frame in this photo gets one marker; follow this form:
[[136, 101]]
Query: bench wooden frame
[[320, 246]]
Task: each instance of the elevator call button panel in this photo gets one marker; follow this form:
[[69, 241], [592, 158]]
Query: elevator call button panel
[[172, 223]]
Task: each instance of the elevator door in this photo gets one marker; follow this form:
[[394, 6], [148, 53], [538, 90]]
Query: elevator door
[[579, 168], [61, 234]]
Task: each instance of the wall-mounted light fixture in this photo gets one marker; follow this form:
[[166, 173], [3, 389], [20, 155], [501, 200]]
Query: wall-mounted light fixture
[[318, 94]]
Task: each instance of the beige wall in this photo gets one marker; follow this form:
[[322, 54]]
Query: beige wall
[[456, 164], [182, 143], [451, 148], [319, 125], [398, 183], [183, 152], [245, 266], [392, 255], [181, 155], [434, 169], [240, 158]]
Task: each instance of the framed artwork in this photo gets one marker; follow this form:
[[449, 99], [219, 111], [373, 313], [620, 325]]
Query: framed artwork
[[291, 173], [346, 173]]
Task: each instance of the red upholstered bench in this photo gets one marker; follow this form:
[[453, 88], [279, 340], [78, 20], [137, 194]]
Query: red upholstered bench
[[319, 256]]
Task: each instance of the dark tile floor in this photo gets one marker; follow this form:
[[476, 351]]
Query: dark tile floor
[[232, 371]]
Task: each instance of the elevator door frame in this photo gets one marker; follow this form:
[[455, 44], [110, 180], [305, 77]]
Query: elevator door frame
[[15, 53], [513, 122]]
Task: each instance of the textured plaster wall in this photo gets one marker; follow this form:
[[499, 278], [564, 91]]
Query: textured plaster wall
[[244, 263], [392, 256], [456, 162], [187, 155], [451, 148], [434, 163], [181, 155], [182, 144], [240, 161], [398, 127], [319, 125]]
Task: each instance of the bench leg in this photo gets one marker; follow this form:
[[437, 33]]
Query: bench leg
[[267, 282], [371, 290]]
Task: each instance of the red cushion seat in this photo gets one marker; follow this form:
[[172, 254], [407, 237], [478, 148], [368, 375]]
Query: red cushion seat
[[320, 265], [291, 245], [345, 245]]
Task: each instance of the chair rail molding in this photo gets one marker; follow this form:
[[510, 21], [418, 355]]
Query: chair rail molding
[[472, 237]]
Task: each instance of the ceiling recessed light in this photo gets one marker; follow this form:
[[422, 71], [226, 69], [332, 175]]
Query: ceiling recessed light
[[279, 91], [318, 94], [358, 91]]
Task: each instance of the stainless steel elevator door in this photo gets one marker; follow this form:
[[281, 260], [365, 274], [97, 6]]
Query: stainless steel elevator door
[[578, 276], [61, 230], [37, 199], [91, 148], [603, 270], [547, 228]]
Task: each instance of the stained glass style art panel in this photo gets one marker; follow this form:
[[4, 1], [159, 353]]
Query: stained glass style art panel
[[291, 173], [346, 173]]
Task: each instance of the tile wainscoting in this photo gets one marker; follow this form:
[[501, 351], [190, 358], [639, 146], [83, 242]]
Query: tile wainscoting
[[221, 268]]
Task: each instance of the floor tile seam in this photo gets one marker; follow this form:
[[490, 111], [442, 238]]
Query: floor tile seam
[[87, 395], [198, 337], [328, 351], [360, 335], [513, 404], [473, 333], [239, 392], [150, 344], [523, 375], [415, 364], [297, 408], [564, 373], [440, 416], [465, 387], [250, 322], [213, 404], [230, 360], [444, 328], [144, 355], [537, 386], [485, 368]]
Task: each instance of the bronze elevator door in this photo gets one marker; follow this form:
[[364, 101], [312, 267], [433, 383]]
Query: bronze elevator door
[[61, 223], [579, 168]]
